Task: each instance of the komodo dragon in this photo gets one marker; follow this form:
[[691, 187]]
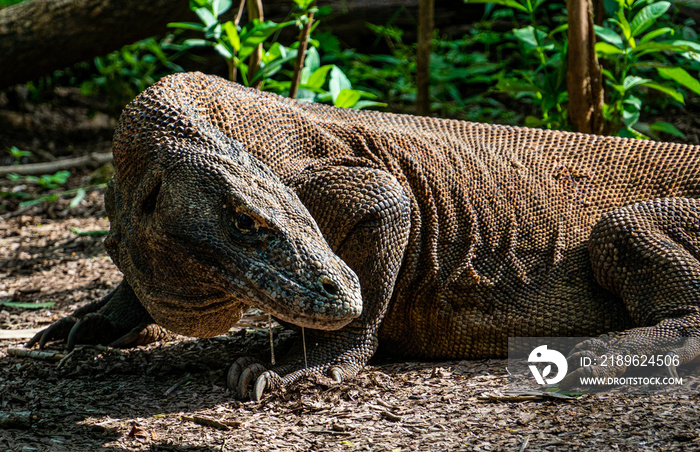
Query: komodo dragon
[[429, 238]]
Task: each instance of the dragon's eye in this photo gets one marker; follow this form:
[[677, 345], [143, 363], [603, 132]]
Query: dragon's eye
[[244, 223]]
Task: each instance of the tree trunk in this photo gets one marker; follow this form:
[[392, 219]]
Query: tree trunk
[[584, 79], [426, 25], [39, 36]]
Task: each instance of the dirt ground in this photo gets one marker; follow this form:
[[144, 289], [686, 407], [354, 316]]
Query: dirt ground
[[171, 396]]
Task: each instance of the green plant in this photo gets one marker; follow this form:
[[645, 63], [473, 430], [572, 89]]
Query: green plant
[[123, 74], [327, 83], [318, 83], [48, 182], [461, 74], [637, 60], [391, 76], [535, 68], [5, 3], [235, 44], [17, 154], [632, 54]]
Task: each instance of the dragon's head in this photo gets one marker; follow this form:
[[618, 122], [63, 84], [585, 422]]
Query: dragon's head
[[202, 230]]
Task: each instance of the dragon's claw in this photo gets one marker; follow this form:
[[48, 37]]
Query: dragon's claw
[[56, 331]]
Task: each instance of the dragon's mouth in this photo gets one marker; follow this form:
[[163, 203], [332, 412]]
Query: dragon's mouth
[[198, 315], [178, 301], [296, 304]]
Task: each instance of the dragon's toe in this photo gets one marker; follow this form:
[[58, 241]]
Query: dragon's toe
[[269, 380], [94, 328], [54, 332], [241, 376], [141, 335]]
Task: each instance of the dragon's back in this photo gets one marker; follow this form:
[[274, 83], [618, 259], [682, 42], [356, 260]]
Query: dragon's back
[[497, 212]]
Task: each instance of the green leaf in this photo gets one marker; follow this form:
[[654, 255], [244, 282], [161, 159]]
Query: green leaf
[[347, 98], [603, 48], [79, 196], [368, 104], [656, 47], [537, 4], [303, 4], [257, 34], [632, 80], [196, 43], [206, 16], [312, 60], [608, 36], [221, 6], [38, 200], [647, 16], [690, 49], [187, 26], [232, 35], [339, 81], [273, 67], [94, 233], [623, 24], [634, 101], [630, 116], [689, 46], [514, 85], [665, 89], [665, 127], [655, 34], [223, 51], [25, 305], [318, 77], [530, 36], [509, 3], [680, 76], [559, 29]]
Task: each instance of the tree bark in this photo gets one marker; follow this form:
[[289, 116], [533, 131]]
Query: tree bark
[[584, 79], [426, 25], [39, 36]]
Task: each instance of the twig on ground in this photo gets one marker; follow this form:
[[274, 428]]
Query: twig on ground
[[36, 354], [99, 158]]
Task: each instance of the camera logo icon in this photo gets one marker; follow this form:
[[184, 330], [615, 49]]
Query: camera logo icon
[[542, 355]]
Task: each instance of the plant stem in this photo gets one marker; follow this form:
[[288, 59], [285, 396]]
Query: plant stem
[[232, 69], [255, 11], [237, 20], [301, 53], [426, 25]]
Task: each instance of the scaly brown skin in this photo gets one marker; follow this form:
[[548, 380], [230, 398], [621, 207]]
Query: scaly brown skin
[[430, 238]]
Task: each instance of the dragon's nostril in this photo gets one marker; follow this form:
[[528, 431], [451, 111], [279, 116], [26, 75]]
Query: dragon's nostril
[[328, 286]]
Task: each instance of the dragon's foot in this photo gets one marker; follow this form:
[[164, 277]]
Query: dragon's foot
[[96, 328], [606, 358], [117, 320], [250, 379], [56, 331]]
